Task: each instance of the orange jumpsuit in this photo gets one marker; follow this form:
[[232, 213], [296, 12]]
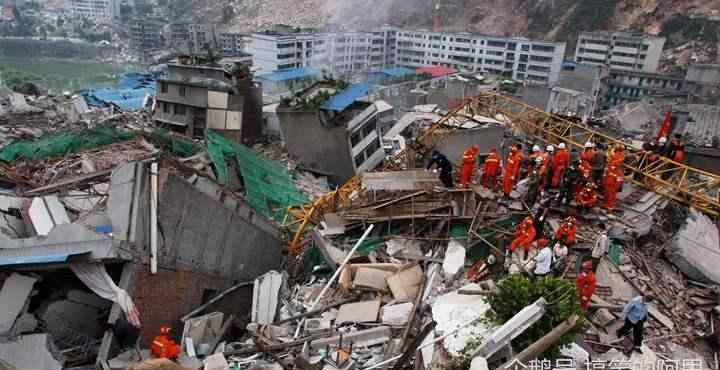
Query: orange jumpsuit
[[587, 197], [617, 158], [679, 155], [545, 170], [468, 165], [613, 182], [511, 171], [586, 283], [164, 347], [491, 169], [524, 235], [566, 233], [559, 164], [586, 161]]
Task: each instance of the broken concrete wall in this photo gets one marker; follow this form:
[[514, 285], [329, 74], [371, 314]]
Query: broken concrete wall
[[204, 247], [695, 249]]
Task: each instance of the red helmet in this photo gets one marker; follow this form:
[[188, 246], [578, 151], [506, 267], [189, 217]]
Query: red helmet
[[587, 265], [164, 330]]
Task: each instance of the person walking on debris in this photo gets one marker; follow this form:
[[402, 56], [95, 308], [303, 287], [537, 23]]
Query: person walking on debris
[[587, 198], [635, 314], [541, 215], [511, 170], [601, 247], [586, 283], [524, 235], [469, 161], [545, 169], [560, 256], [543, 260], [566, 232], [569, 183], [586, 158], [598, 162], [444, 167], [560, 162], [491, 169], [612, 184]]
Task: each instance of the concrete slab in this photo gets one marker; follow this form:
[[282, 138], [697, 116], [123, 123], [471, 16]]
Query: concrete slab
[[265, 297], [26, 323], [366, 311], [30, 352], [368, 277], [47, 212], [360, 338], [695, 249], [452, 310], [454, 259], [215, 362], [88, 299], [405, 284], [397, 314], [15, 291], [120, 199]]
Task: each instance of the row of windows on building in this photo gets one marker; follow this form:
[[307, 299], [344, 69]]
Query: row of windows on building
[[618, 54], [632, 45], [170, 108]]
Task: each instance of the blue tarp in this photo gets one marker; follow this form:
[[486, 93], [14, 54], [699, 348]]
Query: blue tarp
[[398, 72], [26, 260], [290, 74], [129, 95], [345, 98]]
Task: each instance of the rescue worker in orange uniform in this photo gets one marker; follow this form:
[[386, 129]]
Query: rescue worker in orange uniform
[[469, 161], [524, 235], [617, 156], [546, 168], [560, 162], [587, 198], [491, 169], [511, 170], [586, 283], [566, 232], [164, 347], [586, 159], [532, 158], [612, 184]]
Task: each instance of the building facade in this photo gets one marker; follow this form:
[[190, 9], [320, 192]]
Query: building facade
[[231, 43], [146, 35], [101, 11], [620, 50], [630, 86], [517, 58], [192, 38], [193, 98]]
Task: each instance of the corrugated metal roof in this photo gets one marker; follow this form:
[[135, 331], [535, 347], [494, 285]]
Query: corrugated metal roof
[[26, 260], [290, 74], [436, 71], [345, 98]]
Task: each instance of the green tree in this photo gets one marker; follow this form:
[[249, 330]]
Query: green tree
[[516, 292]]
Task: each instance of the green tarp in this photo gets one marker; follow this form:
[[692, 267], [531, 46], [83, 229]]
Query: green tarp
[[61, 144]]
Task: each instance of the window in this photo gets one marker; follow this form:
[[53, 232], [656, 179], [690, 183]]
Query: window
[[285, 46], [181, 90], [180, 109], [497, 44], [166, 107], [285, 56], [359, 159], [537, 58], [543, 48], [539, 68], [356, 138], [163, 87]]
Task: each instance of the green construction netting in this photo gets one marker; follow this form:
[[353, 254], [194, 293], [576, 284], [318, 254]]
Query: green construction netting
[[174, 144], [269, 185], [615, 252], [61, 144]]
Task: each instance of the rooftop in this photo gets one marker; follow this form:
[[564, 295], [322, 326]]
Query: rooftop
[[347, 97], [290, 74], [437, 71]]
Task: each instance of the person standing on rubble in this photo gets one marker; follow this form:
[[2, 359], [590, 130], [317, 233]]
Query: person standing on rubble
[[546, 168], [491, 169], [511, 170], [598, 162], [534, 182], [469, 161], [560, 162], [560, 256], [611, 185], [524, 235], [601, 247], [444, 167], [635, 314], [566, 232], [569, 183], [586, 283], [586, 157], [543, 260]]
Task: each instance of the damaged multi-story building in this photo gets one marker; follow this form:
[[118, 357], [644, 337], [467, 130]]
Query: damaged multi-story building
[[194, 97]]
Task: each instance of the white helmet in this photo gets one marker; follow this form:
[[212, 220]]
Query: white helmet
[[539, 160], [536, 148], [662, 140], [589, 145], [561, 146], [550, 148]]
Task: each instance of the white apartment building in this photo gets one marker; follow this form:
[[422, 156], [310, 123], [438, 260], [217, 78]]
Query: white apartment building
[[100, 11], [517, 58], [620, 50], [339, 52]]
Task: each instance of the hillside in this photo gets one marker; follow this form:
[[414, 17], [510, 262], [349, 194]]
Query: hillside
[[680, 20]]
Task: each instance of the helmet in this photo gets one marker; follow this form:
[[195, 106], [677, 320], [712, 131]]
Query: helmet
[[475, 148], [571, 219], [561, 146], [536, 148], [589, 145], [587, 265], [164, 330], [662, 140], [538, 160], [550, 148]]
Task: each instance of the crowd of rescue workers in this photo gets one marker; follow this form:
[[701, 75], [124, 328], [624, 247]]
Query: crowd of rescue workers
[[558, 176]]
